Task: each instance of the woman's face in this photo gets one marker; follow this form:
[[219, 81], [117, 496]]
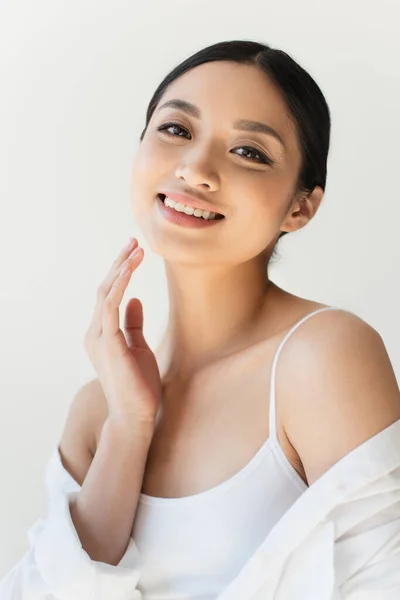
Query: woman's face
[[208, 157]]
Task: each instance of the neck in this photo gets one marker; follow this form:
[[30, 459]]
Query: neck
[[211, 311]]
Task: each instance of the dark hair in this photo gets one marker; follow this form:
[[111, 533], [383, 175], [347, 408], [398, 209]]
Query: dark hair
[[307, 105]]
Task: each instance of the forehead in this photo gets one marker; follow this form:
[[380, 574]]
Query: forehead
[[225, 91]]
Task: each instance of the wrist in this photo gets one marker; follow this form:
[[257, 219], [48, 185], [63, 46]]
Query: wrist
[[125, 427]]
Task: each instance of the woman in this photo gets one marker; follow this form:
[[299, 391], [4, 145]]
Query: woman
[[202, 464]]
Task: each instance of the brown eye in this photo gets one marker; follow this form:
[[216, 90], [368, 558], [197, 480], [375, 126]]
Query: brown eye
[[263, 158], [164, 129]]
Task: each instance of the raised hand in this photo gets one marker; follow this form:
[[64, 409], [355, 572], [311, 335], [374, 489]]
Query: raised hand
[[125, 364]]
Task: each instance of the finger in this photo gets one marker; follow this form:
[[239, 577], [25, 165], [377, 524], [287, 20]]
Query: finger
[[133, 324], [104, 288], [110, 313]]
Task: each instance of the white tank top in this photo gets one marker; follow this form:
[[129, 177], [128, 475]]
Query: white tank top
[[193, 546]]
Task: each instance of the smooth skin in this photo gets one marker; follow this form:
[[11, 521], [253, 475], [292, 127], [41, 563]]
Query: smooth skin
[[126, 366], [103, 515], [335, 384]]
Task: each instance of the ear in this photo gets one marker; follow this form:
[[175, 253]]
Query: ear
[[302, 210]]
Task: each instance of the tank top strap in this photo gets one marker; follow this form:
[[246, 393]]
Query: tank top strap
[[272, 401]]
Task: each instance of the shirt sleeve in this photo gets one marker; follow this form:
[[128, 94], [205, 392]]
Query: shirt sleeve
[[56, 567]]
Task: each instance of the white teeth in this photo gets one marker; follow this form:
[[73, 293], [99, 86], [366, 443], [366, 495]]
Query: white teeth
[[189, 210]]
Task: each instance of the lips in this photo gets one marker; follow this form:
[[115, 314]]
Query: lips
[[217, 215]]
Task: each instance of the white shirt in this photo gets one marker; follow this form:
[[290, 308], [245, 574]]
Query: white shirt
[[340, 540]]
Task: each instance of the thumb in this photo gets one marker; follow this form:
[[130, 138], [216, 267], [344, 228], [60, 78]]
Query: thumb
[[133, 324]]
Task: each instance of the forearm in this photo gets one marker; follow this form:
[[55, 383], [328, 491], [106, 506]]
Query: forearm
[[105, 508]]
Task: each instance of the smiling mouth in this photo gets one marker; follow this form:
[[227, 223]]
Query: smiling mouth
[[217, 215]]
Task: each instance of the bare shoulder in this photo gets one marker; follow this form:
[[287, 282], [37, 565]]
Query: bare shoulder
[[342, 388], [86, 415]]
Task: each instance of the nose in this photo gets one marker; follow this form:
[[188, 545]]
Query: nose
[[196, 170]]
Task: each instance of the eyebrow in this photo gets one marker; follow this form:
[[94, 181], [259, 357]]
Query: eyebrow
[[240, 124]]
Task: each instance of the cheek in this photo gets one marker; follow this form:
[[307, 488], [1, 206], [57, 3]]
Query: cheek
[[257, 204], [142, 186], [142, 166], [255, 220], [144, 175], [151, 166]]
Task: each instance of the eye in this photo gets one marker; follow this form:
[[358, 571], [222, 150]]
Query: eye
[[164, 128], [263, 158]]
